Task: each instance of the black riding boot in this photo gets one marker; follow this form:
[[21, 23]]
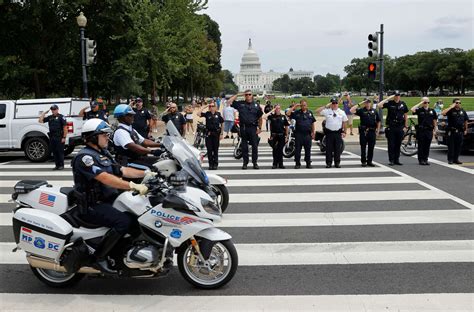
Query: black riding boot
[[109, 240]]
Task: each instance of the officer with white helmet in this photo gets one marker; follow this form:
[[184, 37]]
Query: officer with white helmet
[[98, 178], [130, 146]]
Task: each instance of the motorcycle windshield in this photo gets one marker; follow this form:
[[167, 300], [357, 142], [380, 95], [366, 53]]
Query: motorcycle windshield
[[180, 150]]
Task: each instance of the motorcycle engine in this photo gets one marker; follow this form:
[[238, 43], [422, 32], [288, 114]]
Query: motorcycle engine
[[141, 256]]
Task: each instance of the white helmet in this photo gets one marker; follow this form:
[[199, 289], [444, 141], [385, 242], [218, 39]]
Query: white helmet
[[93, 127]]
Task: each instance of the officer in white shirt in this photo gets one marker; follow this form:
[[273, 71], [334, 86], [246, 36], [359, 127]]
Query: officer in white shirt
[[335, 131]]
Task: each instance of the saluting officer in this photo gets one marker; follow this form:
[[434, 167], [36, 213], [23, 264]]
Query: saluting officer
[[335, 131], [57, 134], [457, 128], [94, 112], [279, 134], [214, 129], [304, 132], [171, 113], [250, 117], [368, 130], [396, 122], [142, 120], [427, 123]]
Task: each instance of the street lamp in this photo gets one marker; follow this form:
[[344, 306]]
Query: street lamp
[[82, 22]]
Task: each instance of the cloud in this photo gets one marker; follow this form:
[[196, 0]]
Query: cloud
[[451, 27], [335, 32]]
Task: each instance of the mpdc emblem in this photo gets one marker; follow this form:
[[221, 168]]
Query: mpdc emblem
[[39, 243]]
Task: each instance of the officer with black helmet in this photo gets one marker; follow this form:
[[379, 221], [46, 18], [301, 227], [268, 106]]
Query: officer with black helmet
[[305, 130], [214, 133], [97, 178], [57, 134], [396, 122], [457, 128], [368, 130], [427, 123]]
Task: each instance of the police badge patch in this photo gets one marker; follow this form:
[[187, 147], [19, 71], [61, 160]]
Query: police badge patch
[[87, 160]]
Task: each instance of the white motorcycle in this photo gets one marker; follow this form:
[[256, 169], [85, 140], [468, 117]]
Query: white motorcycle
[[59, 245]]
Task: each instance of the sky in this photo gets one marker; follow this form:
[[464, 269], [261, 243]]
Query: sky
[[323, 36]]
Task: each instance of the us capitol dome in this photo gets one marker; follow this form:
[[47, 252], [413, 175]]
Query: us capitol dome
[[251, 76]]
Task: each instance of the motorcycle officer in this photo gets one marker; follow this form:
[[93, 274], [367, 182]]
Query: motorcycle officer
[[279, 134], [98, 178], [130, 146], [305, 130], [94, 112]]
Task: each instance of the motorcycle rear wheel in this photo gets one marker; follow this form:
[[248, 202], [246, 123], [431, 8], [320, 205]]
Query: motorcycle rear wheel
[[289, 149], [409, 146], [222, 195], [57, 279]]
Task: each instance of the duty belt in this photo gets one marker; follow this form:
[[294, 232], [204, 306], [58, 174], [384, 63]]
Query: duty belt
[[333, 131]]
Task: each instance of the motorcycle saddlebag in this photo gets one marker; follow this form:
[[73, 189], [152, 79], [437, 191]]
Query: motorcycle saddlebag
[[40, 232]]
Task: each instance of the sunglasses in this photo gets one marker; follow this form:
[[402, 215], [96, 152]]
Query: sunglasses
[[212, 106], [334, 115], [248, 94], [457, 102]]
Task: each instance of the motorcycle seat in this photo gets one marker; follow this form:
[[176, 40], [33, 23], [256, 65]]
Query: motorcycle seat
[[74, 218], [69, 192]]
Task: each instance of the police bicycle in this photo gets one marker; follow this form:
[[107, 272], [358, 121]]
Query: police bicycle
[[409, 146]]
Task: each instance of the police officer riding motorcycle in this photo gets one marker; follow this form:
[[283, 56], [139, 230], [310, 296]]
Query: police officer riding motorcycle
[[129, 145], [98, 179]]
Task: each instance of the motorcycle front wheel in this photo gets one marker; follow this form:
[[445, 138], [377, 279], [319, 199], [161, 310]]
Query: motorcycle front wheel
[[238, 150], [222, 195], [222, 265], [409, 145], [289, 149]]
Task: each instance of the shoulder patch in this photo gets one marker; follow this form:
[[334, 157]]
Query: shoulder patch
[[87, 160]]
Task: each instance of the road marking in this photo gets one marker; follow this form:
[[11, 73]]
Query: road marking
[[331, 218], [344, 253]]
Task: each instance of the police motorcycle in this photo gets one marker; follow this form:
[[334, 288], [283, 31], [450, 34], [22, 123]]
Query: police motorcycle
[[289, 149], [320, 138], [177, 155], [179, 220]]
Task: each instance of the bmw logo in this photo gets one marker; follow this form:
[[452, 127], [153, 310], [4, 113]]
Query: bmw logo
[[158, 224]]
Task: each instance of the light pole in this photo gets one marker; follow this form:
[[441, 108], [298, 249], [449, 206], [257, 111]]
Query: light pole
[[82, 22]]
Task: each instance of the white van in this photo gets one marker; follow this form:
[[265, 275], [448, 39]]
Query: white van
[[20, 129]]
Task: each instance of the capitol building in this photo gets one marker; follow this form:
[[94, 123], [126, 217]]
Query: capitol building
[[252, 78]]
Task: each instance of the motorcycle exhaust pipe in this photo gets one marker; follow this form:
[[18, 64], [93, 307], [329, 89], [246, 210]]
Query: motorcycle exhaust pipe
[[51, 265]]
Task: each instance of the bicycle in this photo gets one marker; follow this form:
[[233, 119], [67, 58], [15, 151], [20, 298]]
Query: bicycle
[[409, 146], [200, 138]]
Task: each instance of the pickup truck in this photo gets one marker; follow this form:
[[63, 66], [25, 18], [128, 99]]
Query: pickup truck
[[468, 142], [20, 129]]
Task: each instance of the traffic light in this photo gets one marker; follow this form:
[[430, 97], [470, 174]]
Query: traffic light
[[372, 71], [373, 45], [91, 51]]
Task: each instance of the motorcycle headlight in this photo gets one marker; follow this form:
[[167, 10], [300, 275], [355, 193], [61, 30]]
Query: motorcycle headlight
[[211, 207]]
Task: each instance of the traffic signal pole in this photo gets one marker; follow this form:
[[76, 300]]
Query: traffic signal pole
[[84, 65], [381, 75]]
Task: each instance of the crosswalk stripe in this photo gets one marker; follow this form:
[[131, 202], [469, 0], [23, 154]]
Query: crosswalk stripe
[[123, 302], [331, 218], [343, 253]]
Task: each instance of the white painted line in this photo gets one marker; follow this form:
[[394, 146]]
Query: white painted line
[[334, 196], [314, 157], [431, 187], [291, 171], [148, 303], [345, 253], [331, 218]]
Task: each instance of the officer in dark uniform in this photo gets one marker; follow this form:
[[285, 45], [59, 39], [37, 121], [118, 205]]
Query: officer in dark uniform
[[214, 133], [396, 123], [94, 112], [97, 178], [141, 123], [304, 132], [368, 129], [457, 128], [279, 134], [57, 134], [176, 118], [250, 118], [427, 122]]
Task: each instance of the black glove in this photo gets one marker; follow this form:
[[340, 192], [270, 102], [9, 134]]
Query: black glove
[[157, 152]]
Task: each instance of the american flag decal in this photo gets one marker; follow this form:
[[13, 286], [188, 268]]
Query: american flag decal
[[47, 199]]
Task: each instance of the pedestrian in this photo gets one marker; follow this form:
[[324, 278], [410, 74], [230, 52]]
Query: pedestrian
[[268, 107], [396, 123], [154, 119], [142, 119], [369, 128], [438, 107], [171, 113], [305, 130], [457, 128], [57, 134], [425, 129], [229, 117], [347, 105], [250, 116], [94, 112], [278, 134], [335, 131], [189, 113], [214, 133]]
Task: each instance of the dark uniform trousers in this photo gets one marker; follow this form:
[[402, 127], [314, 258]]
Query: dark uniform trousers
[[57, 148], [302, 139], [455, 139], [279, 141], [367, 139], [424, 137], [333, 147], [249, 135], [394, 137], [212, 145], [105, 214]]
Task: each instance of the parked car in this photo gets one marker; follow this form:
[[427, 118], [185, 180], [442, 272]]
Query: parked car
[[441, 135], [20, 129]]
